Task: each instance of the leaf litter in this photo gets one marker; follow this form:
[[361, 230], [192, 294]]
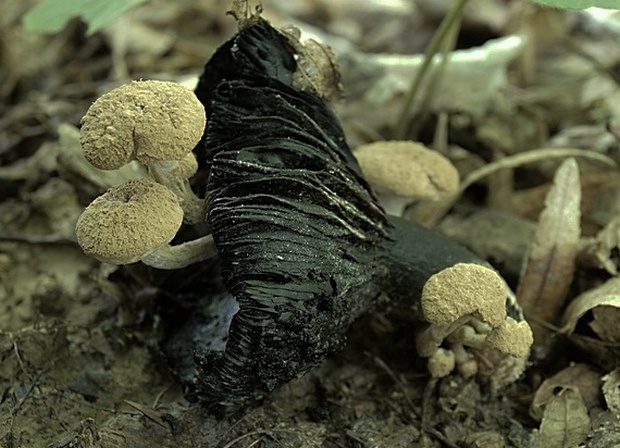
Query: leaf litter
[[78, 341], [550, 266]]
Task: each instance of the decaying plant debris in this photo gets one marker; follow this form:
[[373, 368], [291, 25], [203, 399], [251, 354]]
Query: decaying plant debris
[[81, 364]]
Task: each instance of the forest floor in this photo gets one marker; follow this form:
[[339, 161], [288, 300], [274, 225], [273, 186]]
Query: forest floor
[[81, 363]]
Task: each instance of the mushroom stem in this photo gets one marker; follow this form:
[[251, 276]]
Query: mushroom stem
[[469, 336], [393, 205], [165, 173], [429, 339], [181, 255], [465, 363]]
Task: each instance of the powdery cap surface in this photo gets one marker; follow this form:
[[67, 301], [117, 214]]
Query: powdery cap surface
[[149, 121], [186, 167], [129, 221], [463, 289], [512, 337], [406, 168]]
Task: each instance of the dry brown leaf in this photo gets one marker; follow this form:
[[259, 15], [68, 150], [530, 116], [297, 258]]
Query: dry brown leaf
[[493, 235], [598, 190], [598, 252], [611, 391], [565, 423], [551, 263], [598, 303], [485, 439], [578, 376], [605, 323], [607, 294]]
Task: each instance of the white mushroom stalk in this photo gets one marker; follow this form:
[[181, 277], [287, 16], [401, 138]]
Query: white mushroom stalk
[[136, 221], [465, 306], [154, 122]]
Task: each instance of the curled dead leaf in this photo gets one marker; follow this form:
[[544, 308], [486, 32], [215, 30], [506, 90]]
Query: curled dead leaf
[[602, 306], [611, 391], [601, 251], [577, 376], [551, 263], [565, 422]]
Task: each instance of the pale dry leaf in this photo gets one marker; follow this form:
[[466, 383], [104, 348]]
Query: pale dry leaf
[[600, 251], [551, 262], [32, 168], [565, 423], [577, 376], [318, 71], [605, 323], [606, 297], [611, 391], [600, 193], [607, 294], [387, 78]]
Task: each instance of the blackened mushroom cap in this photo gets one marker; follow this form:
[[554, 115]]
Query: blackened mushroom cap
[[150, 121], [296, 225], [304, 247]]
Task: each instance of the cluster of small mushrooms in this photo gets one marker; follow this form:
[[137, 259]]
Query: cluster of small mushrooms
[[157, 124], [465, 304]]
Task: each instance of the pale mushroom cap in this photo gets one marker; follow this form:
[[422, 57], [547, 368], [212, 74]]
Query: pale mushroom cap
[[186, 167], [149, 121], [129, 221], [463, 289], [441, 363], [408, 169], [512, 337]]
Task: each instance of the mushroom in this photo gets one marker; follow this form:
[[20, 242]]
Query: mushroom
[[136, 221], [457, 295], [512, 337], [157, 123], [402, 172], [303, 245], [441, 363], [465, 306]]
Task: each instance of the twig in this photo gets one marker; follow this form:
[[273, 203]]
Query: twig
[[529, 157], [262, 432], [437, 77], [380, 363], [432, 49], [33, 384]]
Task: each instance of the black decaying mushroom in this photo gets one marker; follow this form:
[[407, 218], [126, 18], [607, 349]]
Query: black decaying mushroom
[[296, 227], [303, 246]]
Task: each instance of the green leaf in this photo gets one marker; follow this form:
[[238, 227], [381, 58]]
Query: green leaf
[[51, 16], [580, 4]]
